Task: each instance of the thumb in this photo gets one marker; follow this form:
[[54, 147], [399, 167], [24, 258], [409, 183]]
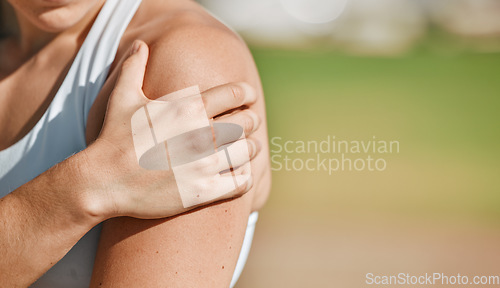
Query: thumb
[[132, 72]]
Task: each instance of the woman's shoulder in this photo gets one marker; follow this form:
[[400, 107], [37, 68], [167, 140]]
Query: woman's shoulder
[[187, 47], [158, 18], [187, 41]]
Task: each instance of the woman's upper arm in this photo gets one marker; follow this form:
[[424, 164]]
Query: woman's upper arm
[[200, 248]]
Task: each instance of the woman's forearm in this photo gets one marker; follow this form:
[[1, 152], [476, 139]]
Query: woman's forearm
[[43, 219]]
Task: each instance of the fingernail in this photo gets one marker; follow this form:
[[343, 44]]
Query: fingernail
[[135, 47], [250, 142], [255, 147], [256, 121], [249, 183]]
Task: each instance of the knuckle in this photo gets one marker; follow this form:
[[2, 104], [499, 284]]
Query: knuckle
[[205, 185], [207, 163], [237, 93], [214, 160], [183, 110], [195, 147], [200, 187], [127, 64], [199, 142], [203, 167]]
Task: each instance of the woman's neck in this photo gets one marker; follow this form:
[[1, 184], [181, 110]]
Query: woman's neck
[[30, 39]]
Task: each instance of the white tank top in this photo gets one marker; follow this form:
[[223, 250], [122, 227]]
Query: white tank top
[[60, 133]]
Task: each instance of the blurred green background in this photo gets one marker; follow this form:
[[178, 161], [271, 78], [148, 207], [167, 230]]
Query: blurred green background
[[424, 73], [436, 206]]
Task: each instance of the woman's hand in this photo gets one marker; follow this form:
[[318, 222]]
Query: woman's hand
[[127, 189]]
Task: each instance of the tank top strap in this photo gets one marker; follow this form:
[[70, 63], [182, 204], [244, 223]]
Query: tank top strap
[[91, 65]]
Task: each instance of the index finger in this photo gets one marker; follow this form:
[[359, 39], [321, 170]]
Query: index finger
[[226, 97]]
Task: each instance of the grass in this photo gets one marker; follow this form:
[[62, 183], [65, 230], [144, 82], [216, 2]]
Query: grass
[[443, 109]]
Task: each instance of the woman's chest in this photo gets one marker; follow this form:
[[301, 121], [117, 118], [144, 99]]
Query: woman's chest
[[24, 97], [26, 93]]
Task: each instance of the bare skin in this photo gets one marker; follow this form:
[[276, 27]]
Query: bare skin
[[188, 47], [184, 40]]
